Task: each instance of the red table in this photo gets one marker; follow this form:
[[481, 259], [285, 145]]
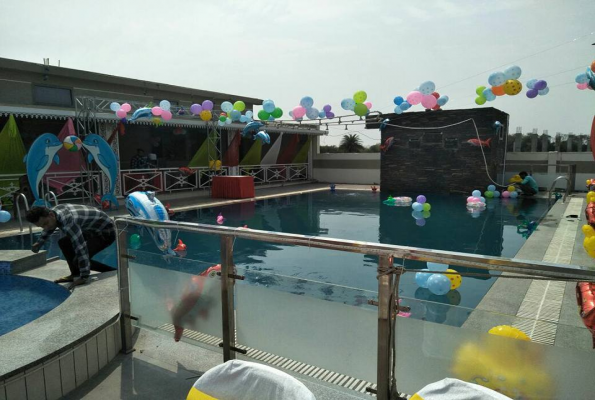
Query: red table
[[232, 187]]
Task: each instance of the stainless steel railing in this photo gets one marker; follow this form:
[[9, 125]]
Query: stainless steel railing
[[568, 189], [19, 197], [386, 283]]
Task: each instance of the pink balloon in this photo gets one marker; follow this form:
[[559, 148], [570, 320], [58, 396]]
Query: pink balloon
[[157, 111], [428, 101], [582, 86], [506, 194], [121, 113], [299, 112], [126, 107], [414, 97], [166, 115], [469, 199], [368, 104]]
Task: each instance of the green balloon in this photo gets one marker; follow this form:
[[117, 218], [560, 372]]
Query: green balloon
[[222, 118], [263, 115], [239, 105], [277, 112], [134, 241], [488, 194], [480, 90], [427, 207], [360, 96], [360, 109], [480, 100]]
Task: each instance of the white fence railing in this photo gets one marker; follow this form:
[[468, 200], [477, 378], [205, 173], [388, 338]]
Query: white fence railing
[[9, 185], [275, 173], [80, 185]]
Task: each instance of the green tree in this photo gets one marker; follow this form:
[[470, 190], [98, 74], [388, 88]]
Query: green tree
[[375, 148], [351, 143], [329, 149]]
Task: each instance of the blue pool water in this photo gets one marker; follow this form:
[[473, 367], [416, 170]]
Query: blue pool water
[[24, 299], [496, 231]]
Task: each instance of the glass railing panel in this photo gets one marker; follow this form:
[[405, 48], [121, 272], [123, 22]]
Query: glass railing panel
[[320, 324]]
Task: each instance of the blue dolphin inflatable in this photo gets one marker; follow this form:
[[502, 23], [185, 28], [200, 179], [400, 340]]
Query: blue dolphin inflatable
[[144, 112], [145, 205], [262, 135], [38, 161], [100, 151], [251, 127]]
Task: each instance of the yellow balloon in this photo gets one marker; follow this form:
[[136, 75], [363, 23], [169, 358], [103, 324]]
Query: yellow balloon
[[591, 253], [455, 279], [588, 230], [512, 87], [511, 188], [216, 165], [515, 179], [589, 243], [509, 331], [206, 115], [590, 197], [588, 182]]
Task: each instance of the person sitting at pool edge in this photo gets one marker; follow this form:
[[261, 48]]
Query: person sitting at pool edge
[[528, 185], [87, 231]]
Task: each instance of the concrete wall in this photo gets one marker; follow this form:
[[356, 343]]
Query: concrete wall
[[355, 168]]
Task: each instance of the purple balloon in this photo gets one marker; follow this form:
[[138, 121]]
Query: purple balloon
[[195, 109], [330, 114], [326, 108], [532, 93], [421, 199], [207, 105], [540, 85]]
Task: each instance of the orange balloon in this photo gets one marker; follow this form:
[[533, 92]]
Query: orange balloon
[[593, 66], [498, 90]]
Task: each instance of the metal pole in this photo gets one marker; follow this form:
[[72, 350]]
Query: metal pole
[[383, 371], [124, 288], [227, 298]]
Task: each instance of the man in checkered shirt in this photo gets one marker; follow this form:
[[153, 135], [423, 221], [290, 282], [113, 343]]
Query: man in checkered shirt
[[87, 231]]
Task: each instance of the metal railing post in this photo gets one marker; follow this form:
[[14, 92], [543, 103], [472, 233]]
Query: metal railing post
[[124, 289], [383, 371], [19, 197], [227, 298]]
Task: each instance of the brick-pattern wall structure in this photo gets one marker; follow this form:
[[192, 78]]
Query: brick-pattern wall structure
[[440, 159]]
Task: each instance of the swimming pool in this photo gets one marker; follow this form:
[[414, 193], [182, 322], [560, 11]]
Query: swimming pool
[[24, 299], [499, 230]]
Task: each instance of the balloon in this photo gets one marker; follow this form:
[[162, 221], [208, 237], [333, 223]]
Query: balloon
[[582, 86], [220, 122], [513, 72], [116, 106], [509, 332], [488, 194], [398, 110], [491, 188], [414, 98], [476, 193], [298, 112], [487, 93], [312, 113], [531, 83], [277, 112], [195, 109], [588, 230], [134, 241], [4, 216], [121, 113], [226, 106], [506, 194], [532, 93], [249, 114], [442, 100], [360, 96], [438, 284], [479, 90], [166, 115], [126, 107], [165, 105], [496, 193], [580, 78], [427, 207], [348, 104], [498, 90], [326, 108], [330, 114], [398, 100], [545, 91], [207, 105], [480, 100], [417, 206], [470, 199], [482, 199], [368, 104], [322, 114], [360, 109], [405, 106], [514, 195], [540, 85], [263, 115], [239, 105], [427, 87], [512, 87], [243, 118], [511, 188], [497, 79], [455, 279], [268, 106], [421, 278], [228, 121], [432, 266], [593, 66], [421, 199], [206, 115], [428, 101], [156, 111], [436, 95], [235, 115], [306, 102]]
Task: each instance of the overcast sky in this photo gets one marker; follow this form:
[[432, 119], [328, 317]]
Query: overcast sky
[[324, 49]]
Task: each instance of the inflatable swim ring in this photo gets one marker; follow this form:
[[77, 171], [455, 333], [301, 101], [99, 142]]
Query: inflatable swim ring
[[402, 201], [476, 206]]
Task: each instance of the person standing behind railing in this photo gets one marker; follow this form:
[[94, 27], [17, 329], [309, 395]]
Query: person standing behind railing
[[139, 161]]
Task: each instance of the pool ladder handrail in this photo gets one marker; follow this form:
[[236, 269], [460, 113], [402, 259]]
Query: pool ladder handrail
[[22, 196], [48, 197], [566, 194]]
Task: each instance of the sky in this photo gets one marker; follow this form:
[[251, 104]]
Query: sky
[[325, 49]]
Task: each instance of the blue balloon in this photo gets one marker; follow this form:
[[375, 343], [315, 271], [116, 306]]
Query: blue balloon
[[482, 199], [488, 94], [398, 100], [531, 83], [268, 106], [398, 110], [235, 115], [496, 194], [405, 106], [476, 193], [491, 188], [545, 91], [271, 118], [322, 114], [442, 100], [427, 87], [581, 78], [291, 113], [306, 102], [348, 104], [438, 284], [421, 278], [243, 118], [432, 266], [312, 113], [497, 79], [514, 195], [417, 206], [4, 216]]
